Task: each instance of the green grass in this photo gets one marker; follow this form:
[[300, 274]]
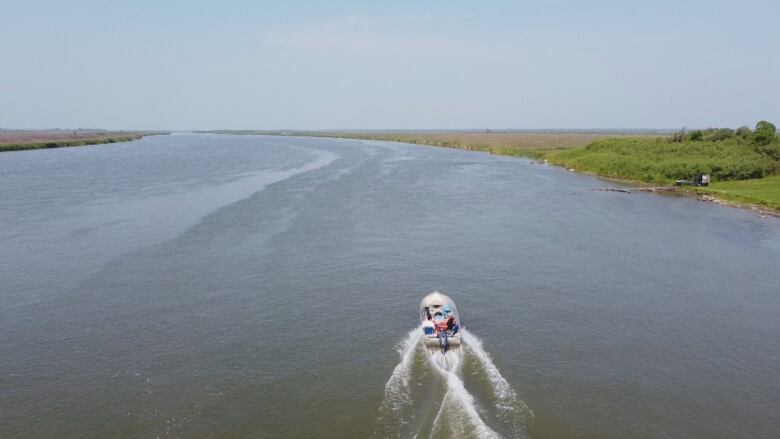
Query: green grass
[[763, 191], [660, 161]]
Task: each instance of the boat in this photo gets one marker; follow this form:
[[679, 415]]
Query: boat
[[438, 332]]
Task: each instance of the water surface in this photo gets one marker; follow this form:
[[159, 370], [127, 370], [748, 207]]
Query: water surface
[[208, 285]]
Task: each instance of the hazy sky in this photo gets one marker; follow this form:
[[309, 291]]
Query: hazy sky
[[388, 64]]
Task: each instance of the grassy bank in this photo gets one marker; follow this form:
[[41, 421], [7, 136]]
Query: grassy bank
[[743, 166], [24, 140], [660, 161], [531, 144], [743, 171], [523, 144], [763, 192]]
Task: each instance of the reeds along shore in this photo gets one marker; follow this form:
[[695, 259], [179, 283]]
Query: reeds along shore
[[26, 140], [744, 163]]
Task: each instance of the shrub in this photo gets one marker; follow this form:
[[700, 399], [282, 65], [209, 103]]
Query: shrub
[[744, 132], [663, 162], [680, 136], [771, 149], [764, 134], [720, 134]]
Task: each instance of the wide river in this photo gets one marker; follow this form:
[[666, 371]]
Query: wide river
[[249, 286]]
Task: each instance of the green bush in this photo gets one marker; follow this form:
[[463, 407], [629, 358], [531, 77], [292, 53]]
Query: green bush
[[680, 136], [764, 133], [771, 149], [659, 161], [719, 134], [744, 132]]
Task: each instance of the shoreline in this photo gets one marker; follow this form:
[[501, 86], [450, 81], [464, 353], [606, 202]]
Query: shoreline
[[538, 156], [700, 193], [98, 139]]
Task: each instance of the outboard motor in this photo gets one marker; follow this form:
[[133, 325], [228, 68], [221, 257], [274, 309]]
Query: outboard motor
[[443, 343]]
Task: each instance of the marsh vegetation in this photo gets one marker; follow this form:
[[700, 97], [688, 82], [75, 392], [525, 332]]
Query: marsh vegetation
[[17, 140], [742, 155]]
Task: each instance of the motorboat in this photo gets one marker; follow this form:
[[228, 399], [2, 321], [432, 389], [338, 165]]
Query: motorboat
[[440, 322]]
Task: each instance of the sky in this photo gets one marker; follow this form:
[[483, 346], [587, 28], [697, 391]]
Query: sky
[[525, 64]]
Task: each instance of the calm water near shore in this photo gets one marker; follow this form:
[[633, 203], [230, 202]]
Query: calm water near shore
[[249, 286]]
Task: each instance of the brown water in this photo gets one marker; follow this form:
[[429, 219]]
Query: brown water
[[204, 285]]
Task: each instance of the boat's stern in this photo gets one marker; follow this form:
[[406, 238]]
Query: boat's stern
[[434, 342], [440, 322]]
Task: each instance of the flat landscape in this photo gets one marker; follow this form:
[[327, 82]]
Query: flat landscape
[[16, 140], [737, 160], [533, 144]]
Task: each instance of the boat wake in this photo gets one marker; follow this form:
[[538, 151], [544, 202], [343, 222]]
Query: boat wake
[[427, 394]]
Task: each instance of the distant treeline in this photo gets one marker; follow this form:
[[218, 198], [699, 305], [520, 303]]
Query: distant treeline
[[764, 134]]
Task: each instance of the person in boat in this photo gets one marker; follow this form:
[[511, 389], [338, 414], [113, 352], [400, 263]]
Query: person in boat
[[441, 326], [450, 322], [428, 313], [439, 323], [451, 325]]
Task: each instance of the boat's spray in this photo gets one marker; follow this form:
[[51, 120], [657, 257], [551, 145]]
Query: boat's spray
[[407, 409], [397, 389], [397, 411], [509, 407], [457, 415]]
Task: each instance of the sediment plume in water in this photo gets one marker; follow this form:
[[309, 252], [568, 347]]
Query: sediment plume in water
[[426, 395]]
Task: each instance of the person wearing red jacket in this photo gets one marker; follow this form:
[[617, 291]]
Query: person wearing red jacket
[[440, 326]]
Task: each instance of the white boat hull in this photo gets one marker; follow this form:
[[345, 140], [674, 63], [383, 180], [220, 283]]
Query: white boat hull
[[434, 308]]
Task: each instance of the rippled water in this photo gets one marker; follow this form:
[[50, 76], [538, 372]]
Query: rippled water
[[205, 285]]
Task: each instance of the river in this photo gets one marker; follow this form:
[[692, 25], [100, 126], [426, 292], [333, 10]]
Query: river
[[225, 286]]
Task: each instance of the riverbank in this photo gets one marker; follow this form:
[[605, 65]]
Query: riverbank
[[761, 195], [19, 140], [743, 175], [535, 144]]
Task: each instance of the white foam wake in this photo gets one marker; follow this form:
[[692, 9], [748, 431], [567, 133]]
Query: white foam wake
[[412, 397], [397, 408], [509, 406], [397, 391], [457, 415]]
